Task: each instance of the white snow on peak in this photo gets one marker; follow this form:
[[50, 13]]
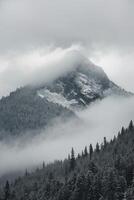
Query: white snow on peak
[[56, 98], [88, 87]]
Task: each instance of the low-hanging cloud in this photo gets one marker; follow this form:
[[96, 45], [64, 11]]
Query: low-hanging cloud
[[46, 64], [102, 118], [33, 67], [31, 24]]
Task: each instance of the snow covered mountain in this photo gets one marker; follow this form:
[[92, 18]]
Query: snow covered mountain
[[34, 107], [84, 84]]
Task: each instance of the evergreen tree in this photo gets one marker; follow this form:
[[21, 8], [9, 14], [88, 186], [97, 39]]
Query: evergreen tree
[[105, 142], [97, 148], [7, 191], [92, 167], [89, 185], [43, 165], [129, 174], [111, 186], [90, 151], [131, 126], [72, 160], [79, 191], [85, 152], [78, 156], [122, 131], [97, 188]]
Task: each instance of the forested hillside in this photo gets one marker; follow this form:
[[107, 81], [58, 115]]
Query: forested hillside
[[105, 172], [23, 110]]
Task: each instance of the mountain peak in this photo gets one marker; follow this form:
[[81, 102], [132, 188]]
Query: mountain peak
[[80, 63], [34, 107]]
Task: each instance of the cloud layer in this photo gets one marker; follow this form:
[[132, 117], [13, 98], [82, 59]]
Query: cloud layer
[[103, 118], [33, 67]]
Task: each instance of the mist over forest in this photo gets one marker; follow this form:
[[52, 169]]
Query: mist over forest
[[66, 100], [103, 118]]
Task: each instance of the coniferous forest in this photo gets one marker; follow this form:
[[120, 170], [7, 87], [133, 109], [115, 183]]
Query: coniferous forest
[[103, 172]]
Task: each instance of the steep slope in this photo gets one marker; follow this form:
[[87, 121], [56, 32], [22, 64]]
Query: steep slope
[[102, 173], [24, 110], [80, 87], [33, 107]]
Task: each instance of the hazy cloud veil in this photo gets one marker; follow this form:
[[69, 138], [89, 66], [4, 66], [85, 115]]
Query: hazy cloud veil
[[103, 119], [35, 38], [107, 38]]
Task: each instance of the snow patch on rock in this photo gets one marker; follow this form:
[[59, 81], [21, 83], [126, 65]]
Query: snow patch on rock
[[88, 87], [56, 98]]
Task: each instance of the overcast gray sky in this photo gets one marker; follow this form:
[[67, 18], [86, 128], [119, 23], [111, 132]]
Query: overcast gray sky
[[104, 28], [37, 22]]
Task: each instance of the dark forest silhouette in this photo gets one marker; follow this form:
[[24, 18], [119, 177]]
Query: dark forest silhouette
[[105, 172]]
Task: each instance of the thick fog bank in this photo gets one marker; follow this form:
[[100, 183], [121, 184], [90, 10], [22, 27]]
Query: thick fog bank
[[102, 118], [36, 66]]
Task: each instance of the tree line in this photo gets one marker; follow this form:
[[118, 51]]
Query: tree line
[[103, 172]]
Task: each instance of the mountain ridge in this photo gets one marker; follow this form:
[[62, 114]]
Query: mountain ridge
[[33, 107]]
